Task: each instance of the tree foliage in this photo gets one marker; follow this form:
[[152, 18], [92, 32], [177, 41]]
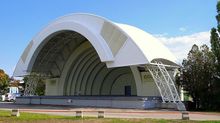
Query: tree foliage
[[40, 89], [201, 71], [215, 43], [4, 81], [198, 76], [215, 47]]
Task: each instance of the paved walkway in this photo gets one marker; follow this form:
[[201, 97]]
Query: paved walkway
[[109, 112]]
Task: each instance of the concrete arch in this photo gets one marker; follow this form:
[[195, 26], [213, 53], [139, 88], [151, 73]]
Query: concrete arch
[[78, 74], [119, 83], [87, 83], [69, 64], [110, 40], [59, 46]]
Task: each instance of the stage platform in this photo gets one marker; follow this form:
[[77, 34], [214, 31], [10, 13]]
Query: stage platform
[[97, 101]]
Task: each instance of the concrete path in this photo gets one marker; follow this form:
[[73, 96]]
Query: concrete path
[[109, 112]]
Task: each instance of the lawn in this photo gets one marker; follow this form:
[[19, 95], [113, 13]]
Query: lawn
[[42, 118]]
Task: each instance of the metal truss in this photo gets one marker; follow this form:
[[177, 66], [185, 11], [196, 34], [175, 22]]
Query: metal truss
[[31, 84], [165, 84]]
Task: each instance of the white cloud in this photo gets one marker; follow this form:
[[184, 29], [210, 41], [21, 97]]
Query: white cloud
[[182, 29], [181, 45]]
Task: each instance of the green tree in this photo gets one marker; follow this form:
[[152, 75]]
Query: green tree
[[4, 81], [215, 40], [198, 76], [215, 47], [40, 89]]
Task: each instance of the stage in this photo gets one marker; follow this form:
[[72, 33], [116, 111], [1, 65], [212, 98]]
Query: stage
[[136, 102]]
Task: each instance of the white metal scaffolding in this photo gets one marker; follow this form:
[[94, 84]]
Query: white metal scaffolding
[[30, 87], [165, 84], [31, 84]]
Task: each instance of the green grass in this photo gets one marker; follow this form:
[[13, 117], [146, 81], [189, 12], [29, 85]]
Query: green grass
[[5, 117]]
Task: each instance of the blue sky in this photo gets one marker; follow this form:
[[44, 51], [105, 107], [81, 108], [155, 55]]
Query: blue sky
[[20, 20]]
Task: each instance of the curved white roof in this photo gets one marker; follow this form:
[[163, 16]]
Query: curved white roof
[[116, 44]]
